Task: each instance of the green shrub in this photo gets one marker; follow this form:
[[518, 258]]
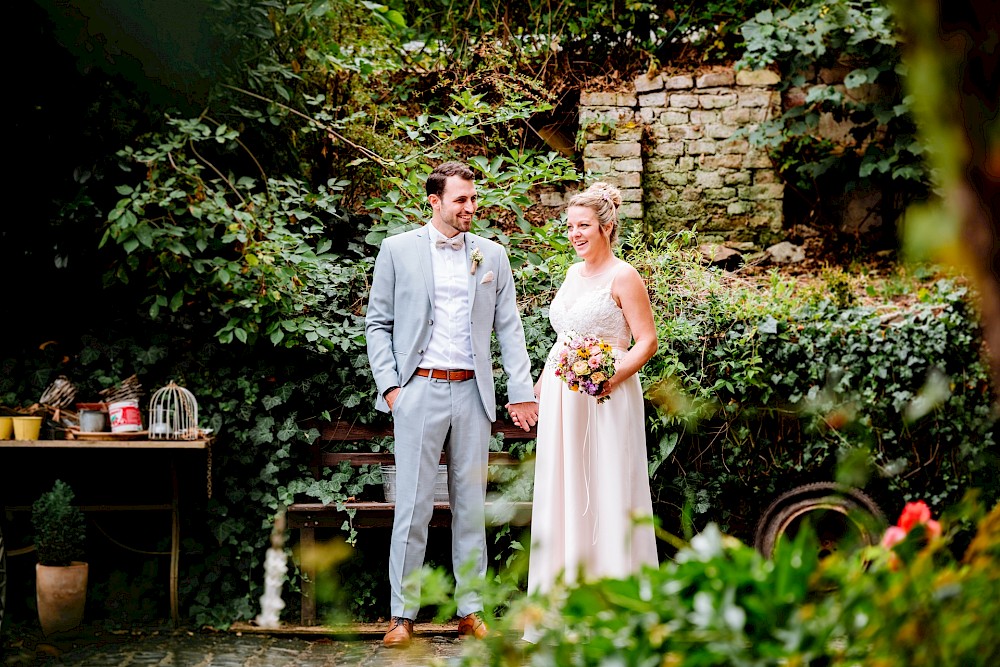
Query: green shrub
[[762, 383], [59, 526], [935, 610], [721, 603]]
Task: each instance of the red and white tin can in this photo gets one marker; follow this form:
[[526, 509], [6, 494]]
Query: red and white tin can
[[124, 416]]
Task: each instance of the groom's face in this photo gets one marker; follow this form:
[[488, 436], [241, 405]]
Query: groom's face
[[455, 206]]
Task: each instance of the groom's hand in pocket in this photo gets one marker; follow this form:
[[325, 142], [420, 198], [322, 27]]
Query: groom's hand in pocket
[[390, 397], [524, 415]]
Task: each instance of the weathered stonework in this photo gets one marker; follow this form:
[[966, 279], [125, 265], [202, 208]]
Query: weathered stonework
[[677, 147]]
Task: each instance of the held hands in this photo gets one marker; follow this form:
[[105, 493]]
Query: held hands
[[524, 415]]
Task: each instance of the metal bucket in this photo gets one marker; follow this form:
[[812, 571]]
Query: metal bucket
[[389, 483]]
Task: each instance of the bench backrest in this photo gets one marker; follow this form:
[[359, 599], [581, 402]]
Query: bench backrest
[[347, 431]]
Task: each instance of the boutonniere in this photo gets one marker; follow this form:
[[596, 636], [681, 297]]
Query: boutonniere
[[476, 256]]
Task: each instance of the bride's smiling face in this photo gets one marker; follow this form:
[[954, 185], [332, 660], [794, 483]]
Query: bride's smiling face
[[584, 231]]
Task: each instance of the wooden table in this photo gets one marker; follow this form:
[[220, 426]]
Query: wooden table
[[171, 447]]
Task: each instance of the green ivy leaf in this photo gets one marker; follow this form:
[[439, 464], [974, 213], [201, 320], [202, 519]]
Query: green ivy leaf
[[176, 301], [395, 18]]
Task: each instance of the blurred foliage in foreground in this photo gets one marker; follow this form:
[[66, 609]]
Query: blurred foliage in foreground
[[720, 603]]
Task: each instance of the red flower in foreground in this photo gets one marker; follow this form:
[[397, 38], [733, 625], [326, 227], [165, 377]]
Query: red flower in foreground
[[913, 514]]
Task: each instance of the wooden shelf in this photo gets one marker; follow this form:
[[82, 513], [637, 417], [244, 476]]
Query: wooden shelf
[[105, 444]]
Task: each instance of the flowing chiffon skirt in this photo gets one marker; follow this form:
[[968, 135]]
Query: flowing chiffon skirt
[[592, 511]]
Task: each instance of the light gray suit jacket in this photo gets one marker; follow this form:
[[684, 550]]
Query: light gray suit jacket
[[401, 312]]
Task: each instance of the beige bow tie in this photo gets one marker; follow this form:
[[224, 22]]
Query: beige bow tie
[[455, 243]]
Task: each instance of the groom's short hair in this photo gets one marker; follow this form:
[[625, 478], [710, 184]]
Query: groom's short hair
[[437, 178]]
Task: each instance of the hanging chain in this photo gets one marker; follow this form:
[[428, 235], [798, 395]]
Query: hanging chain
[[208, 468]]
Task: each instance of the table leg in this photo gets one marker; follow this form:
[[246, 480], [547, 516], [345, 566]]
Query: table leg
[[175, 544], [307, 546]]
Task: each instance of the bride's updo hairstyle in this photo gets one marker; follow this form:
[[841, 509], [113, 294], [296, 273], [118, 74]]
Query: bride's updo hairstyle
[[603, 199]]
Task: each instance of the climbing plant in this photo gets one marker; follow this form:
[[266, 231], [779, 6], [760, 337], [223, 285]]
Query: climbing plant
[[877, 141]]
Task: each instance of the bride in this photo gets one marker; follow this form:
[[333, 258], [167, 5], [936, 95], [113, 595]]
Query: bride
[[592, 511]]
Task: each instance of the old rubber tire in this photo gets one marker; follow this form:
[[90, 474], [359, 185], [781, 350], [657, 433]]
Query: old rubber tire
[[843, 518]]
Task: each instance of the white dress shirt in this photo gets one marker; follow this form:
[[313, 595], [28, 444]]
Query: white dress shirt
[[450, 346]]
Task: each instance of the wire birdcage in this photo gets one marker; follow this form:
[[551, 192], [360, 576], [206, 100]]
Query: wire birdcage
[[173, 414]]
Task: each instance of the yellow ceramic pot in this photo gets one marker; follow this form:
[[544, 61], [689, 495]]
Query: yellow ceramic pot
[[6, 428], [27, 428]]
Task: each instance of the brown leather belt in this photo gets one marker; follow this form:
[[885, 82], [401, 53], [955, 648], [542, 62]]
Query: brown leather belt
[[450, 376]]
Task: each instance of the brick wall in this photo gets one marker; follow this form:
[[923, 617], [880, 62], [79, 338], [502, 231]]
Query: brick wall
[[677, 147]]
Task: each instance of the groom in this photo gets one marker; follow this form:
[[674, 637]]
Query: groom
[[438, 294]]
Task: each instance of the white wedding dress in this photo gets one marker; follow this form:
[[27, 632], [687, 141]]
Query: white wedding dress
[[592, 511]]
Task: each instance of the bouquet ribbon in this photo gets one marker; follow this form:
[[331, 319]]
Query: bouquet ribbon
[[592, 458]]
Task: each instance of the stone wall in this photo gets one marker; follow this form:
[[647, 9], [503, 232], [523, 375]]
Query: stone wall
[[677, 146]]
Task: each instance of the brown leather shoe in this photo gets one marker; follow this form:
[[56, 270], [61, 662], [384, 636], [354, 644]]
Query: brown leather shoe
[[399, 634], [473, 625]]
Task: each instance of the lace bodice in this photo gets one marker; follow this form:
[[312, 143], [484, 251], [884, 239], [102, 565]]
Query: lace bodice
[[584, 305]]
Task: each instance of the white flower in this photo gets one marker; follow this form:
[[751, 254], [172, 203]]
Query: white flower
[[705, 546], [476, 257]]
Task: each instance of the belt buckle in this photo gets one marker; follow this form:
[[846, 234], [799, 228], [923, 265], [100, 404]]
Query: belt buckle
[[447, 375]]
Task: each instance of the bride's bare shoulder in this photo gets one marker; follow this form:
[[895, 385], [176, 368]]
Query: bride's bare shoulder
[[626, 271]]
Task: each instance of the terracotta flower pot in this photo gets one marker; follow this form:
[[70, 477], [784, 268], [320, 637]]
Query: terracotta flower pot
[[61, 594]]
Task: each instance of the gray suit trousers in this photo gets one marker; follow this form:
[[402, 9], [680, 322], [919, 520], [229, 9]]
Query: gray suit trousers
[[428, 416]]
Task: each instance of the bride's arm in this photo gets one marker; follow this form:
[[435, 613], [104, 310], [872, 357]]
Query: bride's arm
[[629, 291]]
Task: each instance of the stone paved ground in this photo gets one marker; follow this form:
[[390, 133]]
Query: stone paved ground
[[229, 649]]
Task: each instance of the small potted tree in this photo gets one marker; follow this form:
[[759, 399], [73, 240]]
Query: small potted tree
[[60, 574]]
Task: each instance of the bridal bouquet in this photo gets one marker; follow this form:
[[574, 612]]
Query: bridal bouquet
[[585, 364]]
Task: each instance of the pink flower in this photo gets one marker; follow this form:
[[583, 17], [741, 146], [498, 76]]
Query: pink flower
[[581, 360], [893, 535]]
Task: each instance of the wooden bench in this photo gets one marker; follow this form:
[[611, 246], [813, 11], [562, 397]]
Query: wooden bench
[[306, 517]]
